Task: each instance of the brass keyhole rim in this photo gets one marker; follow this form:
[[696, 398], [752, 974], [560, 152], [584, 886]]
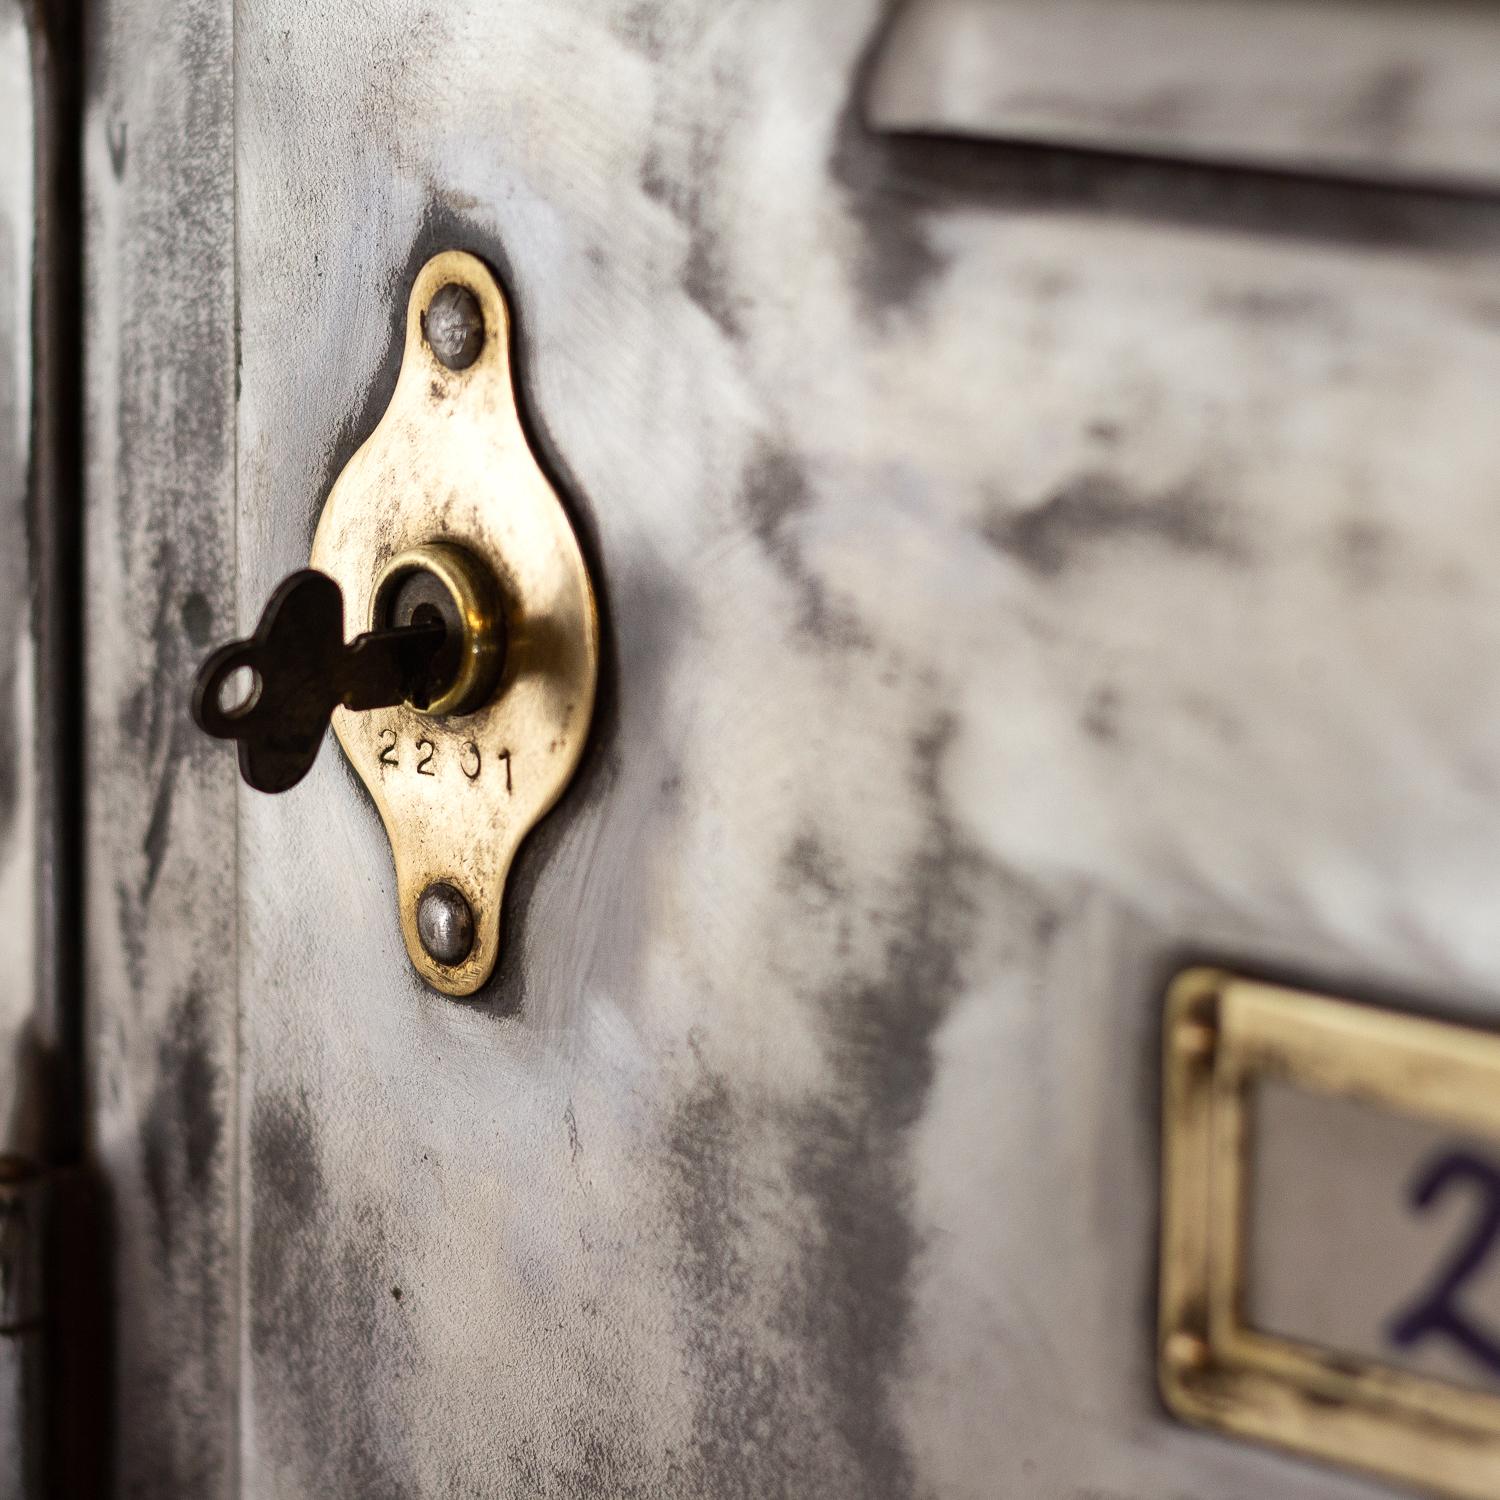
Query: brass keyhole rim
[[477, 612]]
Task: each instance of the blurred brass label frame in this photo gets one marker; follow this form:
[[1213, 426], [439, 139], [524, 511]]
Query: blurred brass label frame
[[1223, 1034]]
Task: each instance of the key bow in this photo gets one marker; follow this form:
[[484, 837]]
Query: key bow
[[301, 671]]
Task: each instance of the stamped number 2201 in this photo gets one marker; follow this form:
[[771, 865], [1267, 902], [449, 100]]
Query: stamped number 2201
[[427, 758]]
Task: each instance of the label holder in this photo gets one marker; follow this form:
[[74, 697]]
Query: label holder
[[1223, 1035]]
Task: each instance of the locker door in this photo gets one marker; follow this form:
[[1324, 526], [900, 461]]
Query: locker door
[[1023, 570]]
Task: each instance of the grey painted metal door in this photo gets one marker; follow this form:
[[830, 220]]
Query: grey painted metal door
[[1021, 569]]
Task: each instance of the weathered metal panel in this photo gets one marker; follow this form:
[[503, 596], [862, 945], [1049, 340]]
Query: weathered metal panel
[[1017, 571], [160, 896], [22, 1117]]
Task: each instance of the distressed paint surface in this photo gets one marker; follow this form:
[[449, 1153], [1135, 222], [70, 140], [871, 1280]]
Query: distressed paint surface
[[160, 891], [1018, 571], [1014, 574]]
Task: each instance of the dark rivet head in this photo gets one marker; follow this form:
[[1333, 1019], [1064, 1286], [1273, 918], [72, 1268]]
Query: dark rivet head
[[445, 924], [454, 326]]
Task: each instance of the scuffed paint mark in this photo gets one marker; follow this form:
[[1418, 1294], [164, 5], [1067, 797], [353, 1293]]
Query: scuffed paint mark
[[115, 139], [812, 869], [898, 259], [183, 1129], [1095, 509], [753, 1432], [774, 497], [316, 1274], [1363, 552], [806, 1407], [1101, 716], [854, 1163], [705, 269], [167, 729], [182, 1138]]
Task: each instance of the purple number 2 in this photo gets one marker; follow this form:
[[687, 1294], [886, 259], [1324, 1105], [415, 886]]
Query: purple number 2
[[1436, 1313]]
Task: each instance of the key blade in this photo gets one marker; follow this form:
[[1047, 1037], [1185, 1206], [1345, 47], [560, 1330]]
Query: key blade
[[386, 667]]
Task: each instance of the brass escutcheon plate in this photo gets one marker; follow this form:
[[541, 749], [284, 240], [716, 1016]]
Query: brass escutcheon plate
[[449, 464]]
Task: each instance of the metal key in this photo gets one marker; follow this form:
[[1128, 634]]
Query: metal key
[[301, 671]]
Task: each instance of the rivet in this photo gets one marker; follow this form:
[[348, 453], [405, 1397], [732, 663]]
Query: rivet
[[1187, 1351], [1197, 1039], [445, 924], [453, 326]]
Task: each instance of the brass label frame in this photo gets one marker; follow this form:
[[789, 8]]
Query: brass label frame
[[1222, 1034], [449, 464]]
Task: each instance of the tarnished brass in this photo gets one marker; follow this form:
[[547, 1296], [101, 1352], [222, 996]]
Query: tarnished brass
[[1223, 1035], [447, 484]]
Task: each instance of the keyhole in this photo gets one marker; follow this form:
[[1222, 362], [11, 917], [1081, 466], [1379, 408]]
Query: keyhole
[[439, 583], [440, 672], [429, 614], [421, 599]]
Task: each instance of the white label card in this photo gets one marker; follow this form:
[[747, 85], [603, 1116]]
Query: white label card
[[1374, 1233]]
